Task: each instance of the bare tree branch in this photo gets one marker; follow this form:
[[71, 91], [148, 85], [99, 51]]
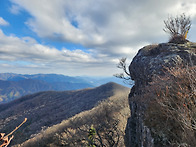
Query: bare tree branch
[[178, 28], [125, 75]]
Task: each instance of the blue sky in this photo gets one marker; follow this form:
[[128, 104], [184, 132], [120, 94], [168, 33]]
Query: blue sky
[[82, 37]]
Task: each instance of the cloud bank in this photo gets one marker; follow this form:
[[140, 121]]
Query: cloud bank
[[108, 30]]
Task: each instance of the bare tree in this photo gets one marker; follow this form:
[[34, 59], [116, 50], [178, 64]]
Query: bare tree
[[125, 75], [178, 28], [100, 129]]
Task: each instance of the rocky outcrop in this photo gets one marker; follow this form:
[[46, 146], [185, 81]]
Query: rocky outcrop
[[151, 60]]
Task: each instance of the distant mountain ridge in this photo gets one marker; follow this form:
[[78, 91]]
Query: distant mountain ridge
[[44, 77], [51, 107], [13, 85]]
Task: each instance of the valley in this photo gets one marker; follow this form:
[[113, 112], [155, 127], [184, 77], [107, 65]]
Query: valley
[[45, 109]]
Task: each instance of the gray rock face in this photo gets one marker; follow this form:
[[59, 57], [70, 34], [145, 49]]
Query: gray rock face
[[151, 60]]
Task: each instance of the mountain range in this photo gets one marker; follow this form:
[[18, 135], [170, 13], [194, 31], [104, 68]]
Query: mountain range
[[44, 109], [13, 85]]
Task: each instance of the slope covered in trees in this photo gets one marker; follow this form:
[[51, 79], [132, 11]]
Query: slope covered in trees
[[45, 109]]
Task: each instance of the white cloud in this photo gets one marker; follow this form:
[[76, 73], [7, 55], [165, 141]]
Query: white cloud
[[110, 28], [3, 22], [15, 9], [102, 22], [25, 55], [27, 49]]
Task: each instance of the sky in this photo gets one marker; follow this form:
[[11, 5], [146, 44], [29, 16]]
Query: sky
[[82, 37]]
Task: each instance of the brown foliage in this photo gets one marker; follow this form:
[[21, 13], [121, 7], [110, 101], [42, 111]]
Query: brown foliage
[[104, 122], [171, 112], [109, 118]]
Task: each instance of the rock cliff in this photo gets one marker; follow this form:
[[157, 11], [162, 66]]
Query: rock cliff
[[151, 60]]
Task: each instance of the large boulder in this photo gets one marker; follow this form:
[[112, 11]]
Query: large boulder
[[152, 60]]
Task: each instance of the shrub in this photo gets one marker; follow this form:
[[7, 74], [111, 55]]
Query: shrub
[[171, 113], [178, 28]]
